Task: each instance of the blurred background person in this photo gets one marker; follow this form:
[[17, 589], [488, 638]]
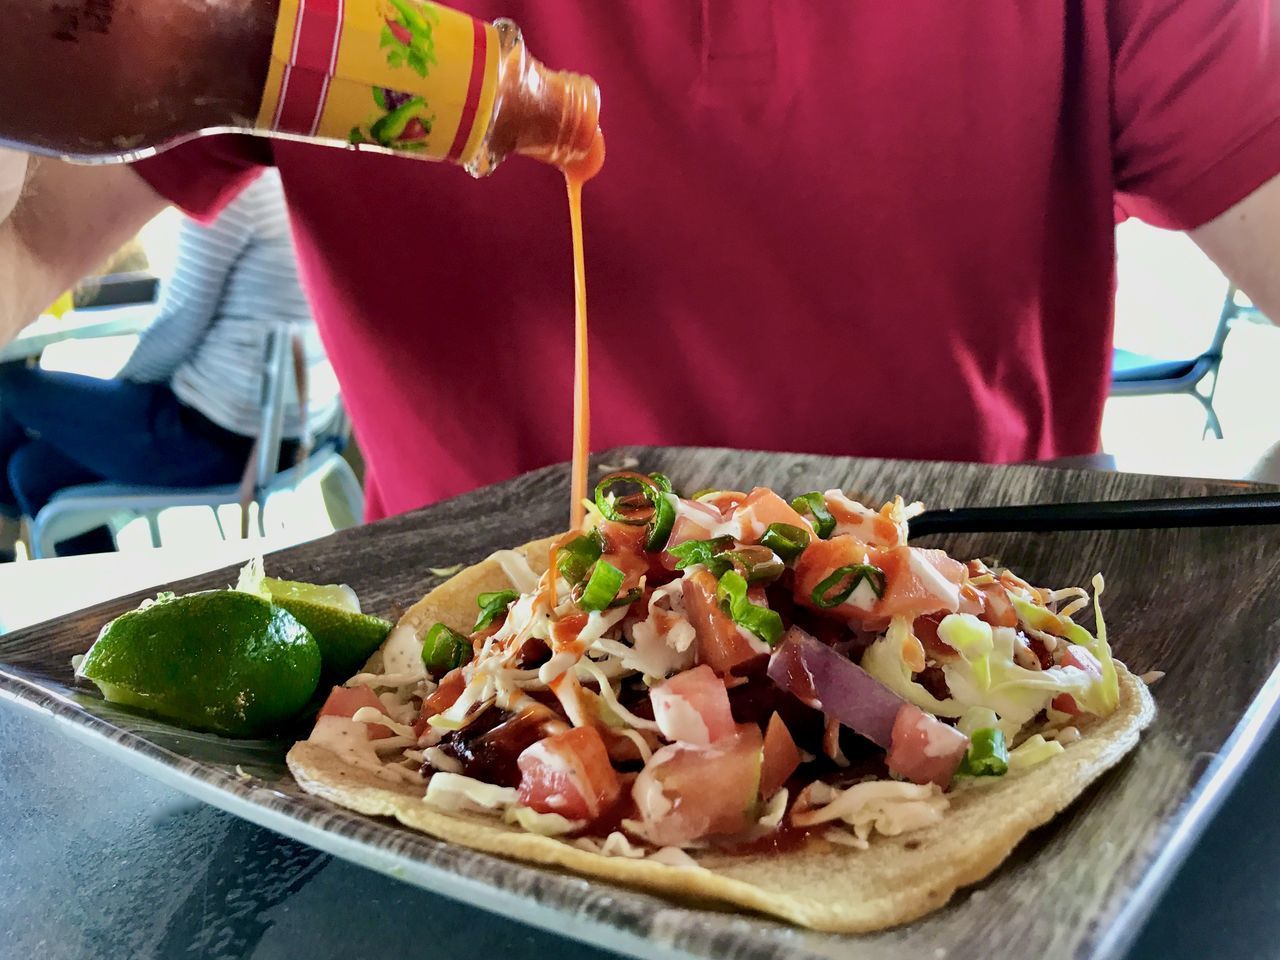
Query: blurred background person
[[185, 410]]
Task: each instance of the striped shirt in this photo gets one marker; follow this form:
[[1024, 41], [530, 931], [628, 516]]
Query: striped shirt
[[208, 341]]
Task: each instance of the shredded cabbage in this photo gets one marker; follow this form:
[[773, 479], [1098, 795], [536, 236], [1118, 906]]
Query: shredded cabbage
[[883, 660], [986, 676], [1033, 750], [543, 824], [1015, 693]]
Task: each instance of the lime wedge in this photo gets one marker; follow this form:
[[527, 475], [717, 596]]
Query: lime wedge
[[225, 661], [346, 640], [331, 611], [335, 595]]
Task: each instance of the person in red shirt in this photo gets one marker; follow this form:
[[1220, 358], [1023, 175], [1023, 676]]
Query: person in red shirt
[[855, 228]]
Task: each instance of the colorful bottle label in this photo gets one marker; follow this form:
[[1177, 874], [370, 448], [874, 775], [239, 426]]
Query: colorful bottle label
[[394, 75]]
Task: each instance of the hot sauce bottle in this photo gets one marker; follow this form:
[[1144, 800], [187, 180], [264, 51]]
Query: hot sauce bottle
[[122, 79]]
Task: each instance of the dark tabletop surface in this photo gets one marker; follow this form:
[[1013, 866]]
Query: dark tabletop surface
[[98, 861]]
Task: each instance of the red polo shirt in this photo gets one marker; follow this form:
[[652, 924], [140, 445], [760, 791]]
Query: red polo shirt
[[854, 227]]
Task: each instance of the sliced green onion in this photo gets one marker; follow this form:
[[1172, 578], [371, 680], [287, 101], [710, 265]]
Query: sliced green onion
[[602, 588], [731, 594], [444, 650], [664, 518], [576, 557], [757, 564], [630, 509], [627, 599], [987, 755], [704, 552], [786, 540], [492, 606], [838, 587], [814, 505], [608, 503]]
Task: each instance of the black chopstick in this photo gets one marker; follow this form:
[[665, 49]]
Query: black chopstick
[[1220, 511]]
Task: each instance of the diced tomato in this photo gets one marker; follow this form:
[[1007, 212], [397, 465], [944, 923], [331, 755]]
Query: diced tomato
[[726, 501], [720, 644], [781, 757], [923, 749], [693, 707], [861, 522], [441, 699], [918, 581], [564, 632], [819, 561], [570, 774], [998, 608], [971, 601], [926, 630], [1066, 703], [624, 548], [1082, 657], [763, 507], [345, 701], [685, 793], [694, 521]]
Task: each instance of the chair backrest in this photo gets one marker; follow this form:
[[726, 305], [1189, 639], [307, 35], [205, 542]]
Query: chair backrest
[[275, 379], [280, 359]]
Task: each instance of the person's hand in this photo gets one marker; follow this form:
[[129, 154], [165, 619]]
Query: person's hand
[[13, 173]]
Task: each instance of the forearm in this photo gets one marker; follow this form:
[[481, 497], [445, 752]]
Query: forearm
[[68, 219], [1245, 243], [23, 282]]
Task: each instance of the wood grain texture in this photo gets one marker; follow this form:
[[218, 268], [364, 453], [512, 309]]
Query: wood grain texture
[[1198, 604]]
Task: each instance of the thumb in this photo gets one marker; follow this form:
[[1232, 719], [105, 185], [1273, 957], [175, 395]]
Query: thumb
[[13, 172]]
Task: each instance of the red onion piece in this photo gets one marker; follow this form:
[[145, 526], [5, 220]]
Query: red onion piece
[[837, 686]]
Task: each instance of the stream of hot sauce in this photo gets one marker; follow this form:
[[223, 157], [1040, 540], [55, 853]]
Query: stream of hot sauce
[[575, 175]]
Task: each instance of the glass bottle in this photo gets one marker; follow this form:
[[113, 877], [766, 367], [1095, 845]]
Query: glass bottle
[[102, 80]]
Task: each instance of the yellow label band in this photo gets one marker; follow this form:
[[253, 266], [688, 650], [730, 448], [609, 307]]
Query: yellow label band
[[390, 75]]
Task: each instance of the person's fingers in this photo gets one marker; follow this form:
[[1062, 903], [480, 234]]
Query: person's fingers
[[13, 172]]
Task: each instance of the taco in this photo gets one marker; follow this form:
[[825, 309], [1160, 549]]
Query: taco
[[731, 698]]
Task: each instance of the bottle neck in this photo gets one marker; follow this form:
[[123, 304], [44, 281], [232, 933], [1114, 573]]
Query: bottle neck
[[548, 115]]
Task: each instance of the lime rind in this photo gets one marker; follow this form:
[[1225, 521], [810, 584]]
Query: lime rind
[[223, 661]]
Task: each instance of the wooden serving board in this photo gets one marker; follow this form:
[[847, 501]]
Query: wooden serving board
[[1200, 605]]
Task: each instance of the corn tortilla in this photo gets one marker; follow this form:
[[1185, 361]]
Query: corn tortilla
[[823, 886]]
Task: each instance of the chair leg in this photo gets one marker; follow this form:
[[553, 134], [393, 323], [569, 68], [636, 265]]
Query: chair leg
[[153, 524], [42, 542], [1211, 421], [217, 518], [262, 517]]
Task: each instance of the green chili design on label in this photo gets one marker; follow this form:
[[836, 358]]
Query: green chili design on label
[[404, 122]]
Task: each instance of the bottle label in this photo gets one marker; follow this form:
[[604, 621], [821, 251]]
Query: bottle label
[[407, 76]]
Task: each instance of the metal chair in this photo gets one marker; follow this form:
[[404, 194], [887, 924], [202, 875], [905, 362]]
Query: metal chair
[[1137, 375], [85, 507]]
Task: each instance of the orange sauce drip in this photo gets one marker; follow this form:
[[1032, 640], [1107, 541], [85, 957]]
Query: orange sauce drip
[[575, 175]]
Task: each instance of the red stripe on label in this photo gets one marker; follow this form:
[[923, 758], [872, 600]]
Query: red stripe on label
[[314, 56], [298, 109], [474, 88]]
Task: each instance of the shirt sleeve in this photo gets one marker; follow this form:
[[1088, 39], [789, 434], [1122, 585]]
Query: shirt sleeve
[[190, 299], [1196, 108], [203, 175]]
